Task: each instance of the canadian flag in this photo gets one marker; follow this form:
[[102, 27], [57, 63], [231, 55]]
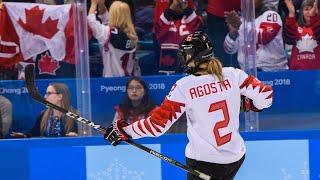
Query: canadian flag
[[29, 29]]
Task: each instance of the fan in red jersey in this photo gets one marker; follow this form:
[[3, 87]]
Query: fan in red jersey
[[304, 35], [175, 23], [210, 97]]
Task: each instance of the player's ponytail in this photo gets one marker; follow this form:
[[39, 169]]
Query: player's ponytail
[[215, 68]]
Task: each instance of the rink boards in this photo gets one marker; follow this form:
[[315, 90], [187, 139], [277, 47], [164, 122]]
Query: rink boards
[[296, 99], [270, 155]]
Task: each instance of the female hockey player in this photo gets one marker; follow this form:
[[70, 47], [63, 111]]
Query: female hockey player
[[210, 96]]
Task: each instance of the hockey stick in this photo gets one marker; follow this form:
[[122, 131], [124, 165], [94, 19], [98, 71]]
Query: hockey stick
[[31, 86]]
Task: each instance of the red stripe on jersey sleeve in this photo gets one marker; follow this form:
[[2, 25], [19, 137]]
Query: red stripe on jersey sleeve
[[246, 82], [135, 131], [155, 127], [146, 124], [160, 117], [157, 116], [166, 112], [140, 127]]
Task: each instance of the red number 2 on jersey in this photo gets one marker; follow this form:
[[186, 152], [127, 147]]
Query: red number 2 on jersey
[[221, 105]]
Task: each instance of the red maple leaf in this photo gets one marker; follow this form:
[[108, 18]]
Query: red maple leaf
[[47, 65], [34, 23], [308, 31]]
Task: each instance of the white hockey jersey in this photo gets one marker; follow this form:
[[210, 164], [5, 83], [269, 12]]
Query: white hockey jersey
[[270, 53], [118, 56], [212, 114]]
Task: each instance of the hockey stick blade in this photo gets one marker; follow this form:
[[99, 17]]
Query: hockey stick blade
[[31, 86], [29, 78]]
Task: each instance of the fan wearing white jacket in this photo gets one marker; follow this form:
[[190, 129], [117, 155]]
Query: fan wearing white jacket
[[270, 53]]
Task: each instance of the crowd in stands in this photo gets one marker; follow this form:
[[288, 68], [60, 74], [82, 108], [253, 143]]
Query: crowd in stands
[[141, 37], [286, 33]]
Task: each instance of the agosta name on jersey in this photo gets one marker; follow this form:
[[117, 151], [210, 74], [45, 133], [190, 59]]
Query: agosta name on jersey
[[209, 88]]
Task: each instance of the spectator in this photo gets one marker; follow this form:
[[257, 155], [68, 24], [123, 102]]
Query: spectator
[[218, 29], [272, 3], [9, 73], [104, 6], [5, 116], [118, 38], [95, 52], [161, 6], [283, 10], [137, 103], [144, 20], [304, 35], [148, 50], [270, 54], [131, 4], [176, 22], [52, 123]]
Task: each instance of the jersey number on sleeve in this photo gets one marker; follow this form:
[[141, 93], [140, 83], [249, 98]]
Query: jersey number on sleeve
[[221, 105]]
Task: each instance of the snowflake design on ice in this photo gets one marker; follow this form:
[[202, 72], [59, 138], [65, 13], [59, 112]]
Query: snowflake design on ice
[[116, 171], [286, 175], [306, 44], [305, 171]]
